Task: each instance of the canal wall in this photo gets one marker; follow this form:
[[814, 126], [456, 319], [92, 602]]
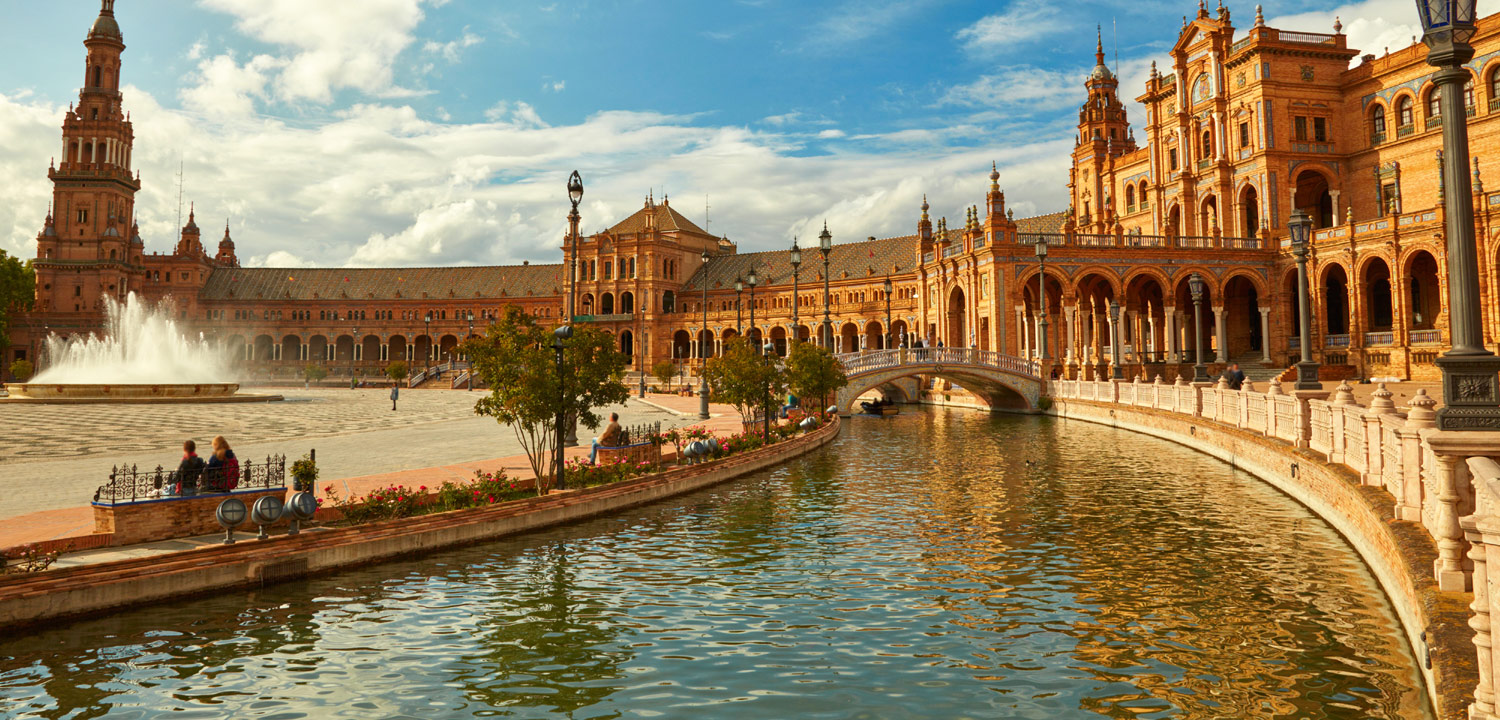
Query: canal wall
[[93, 589], [1319, 452]]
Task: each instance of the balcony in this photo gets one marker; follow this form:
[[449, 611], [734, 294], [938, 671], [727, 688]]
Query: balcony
[[1204, 164], [1380, 338], [1377, 138], [1494, 104], [1405, 130], [1426, 337], [616, 317], [1434, 122], [1321, 148], [1336, 341]]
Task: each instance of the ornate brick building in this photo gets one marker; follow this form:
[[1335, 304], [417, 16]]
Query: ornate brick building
[[1238, 133]]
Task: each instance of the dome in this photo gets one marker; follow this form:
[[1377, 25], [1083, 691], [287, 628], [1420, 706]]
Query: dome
[[1101, 73], [105, 25]]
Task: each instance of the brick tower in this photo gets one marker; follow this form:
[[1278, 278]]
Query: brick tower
[[84, 250], [1103, 135]]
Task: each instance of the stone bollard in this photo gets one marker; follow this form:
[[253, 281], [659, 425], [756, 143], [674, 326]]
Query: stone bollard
[[1275, 388], [1343, 394]]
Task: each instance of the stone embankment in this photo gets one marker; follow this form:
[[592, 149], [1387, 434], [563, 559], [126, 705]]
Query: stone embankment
[[1419, 504], [92, 589]]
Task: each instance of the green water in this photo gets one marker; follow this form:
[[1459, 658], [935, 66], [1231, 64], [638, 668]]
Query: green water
[[933, 565]]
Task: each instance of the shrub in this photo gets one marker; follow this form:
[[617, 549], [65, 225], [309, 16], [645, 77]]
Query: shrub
[[21, 370]]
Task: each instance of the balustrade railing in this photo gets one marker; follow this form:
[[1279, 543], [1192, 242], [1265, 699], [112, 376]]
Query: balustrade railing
[[871, 360], [1426, 337], [128, 484], [1380, 338], [1336, 341]]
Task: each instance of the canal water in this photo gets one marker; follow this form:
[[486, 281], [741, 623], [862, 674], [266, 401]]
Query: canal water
[[939, 564]]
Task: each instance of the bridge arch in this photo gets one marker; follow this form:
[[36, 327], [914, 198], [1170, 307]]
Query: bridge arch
[[1004, 382]]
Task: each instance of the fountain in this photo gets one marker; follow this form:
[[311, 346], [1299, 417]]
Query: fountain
[[142, 357]]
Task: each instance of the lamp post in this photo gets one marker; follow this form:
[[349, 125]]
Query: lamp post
[[558, 336], [1470, 386], [887, 288], [575, 195], [1300, 227], [354, 345], [470, 377], [769, 352], [428, 360], [825, 246], [796, 258], [703, 347], [1114, 340], [739, 315], [752, 280], [1041, 293], [1200, 370]]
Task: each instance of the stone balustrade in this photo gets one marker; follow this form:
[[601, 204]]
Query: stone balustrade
[[1445, 482]]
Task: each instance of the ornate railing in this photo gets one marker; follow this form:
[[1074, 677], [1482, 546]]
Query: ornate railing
[[1336, 341], [1426, 337], [869, 361], [1380, 338], [128, 484]]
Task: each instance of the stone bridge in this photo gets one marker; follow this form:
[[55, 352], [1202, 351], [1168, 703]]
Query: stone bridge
[[1004, 381]]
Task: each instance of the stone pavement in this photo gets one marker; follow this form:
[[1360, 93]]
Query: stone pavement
[[399, 464]]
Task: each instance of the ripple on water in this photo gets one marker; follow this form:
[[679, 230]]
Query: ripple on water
[[936, 564]]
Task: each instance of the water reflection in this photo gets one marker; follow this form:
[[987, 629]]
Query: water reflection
[[935, 564]]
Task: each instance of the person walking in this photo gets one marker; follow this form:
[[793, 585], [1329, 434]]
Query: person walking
[[189, 470], [395, 393], [222, 473], [1236, 376]]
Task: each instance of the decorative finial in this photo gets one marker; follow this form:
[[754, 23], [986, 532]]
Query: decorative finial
[[1099, 44], [925, 206], [1202, 10], [1154, 73], [1010, 214], [1260, 18], [994, 173]]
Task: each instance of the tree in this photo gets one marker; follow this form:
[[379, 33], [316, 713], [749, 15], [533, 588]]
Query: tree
[[17, 292], [314, 373], [515, 357], [21, 370], [664, 371], [742, 377], [396, 371], [813, 372]]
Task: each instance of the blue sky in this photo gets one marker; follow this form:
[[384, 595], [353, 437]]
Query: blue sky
[[421, 132]]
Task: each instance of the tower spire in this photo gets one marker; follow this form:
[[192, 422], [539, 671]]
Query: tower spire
[[1099, 45]]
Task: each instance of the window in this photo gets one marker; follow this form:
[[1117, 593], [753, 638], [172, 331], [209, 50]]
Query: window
[[1434, 105], [608, 267], [1377, 119], [1403, 112], [1130, 197], [77, 291], [1172, 159], [1244, 134], [1208, 144], [83, 216], [1320, 129], [1299, 129]]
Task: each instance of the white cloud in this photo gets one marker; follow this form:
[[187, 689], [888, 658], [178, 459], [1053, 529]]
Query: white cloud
[[1021, 90], [858, 20], [556, 86], [518, 114], [1372, 26], [450, 50], [223, 87], [833, 135], [1022, 22]]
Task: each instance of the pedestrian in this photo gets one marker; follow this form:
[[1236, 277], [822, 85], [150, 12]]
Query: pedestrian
[[395, 393], [1236, 376], [188, 470], [609, 438], [222, 473]]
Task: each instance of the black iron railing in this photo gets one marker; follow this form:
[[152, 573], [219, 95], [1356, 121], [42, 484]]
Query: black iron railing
[[128, 484], [644, 432]]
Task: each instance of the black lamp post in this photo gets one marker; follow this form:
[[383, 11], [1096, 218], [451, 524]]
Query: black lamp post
[[1200, 370], [1114, 340], [739, 315], [1300, 227], [575, 195], [825, 246], [470, 376], [703, 347], [887, 288], [1041, 292], [796, 258], [752, 280], [558, 336], [1470, 387], [769, 352], [430, 355]]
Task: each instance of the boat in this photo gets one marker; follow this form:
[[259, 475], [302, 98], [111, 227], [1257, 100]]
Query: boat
[[880, 407]]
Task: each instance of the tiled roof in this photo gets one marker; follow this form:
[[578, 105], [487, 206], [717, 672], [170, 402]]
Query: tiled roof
[[870, 258], [1049, 223], [512, 281], [667, 219]]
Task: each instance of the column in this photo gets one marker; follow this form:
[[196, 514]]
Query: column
[[1219, 312], [1021, 336], [1111, 333], [1070, 315], [1479, 621], [1151, 332], [1265, 335], [1169, 316]]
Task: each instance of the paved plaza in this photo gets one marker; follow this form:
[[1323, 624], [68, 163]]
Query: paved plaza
[[54, 456]]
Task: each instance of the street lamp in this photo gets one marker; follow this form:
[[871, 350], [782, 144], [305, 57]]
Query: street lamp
[[887, 288], [575, 195], [1300, 227], [752, 280], [470, 382], [703, 347], [769, 351], [825, 246], [1041, 291], [739, 326], [430, 355], [1114, 341], [1470, 386], [796, 258], [558, 336], [1195, 286]]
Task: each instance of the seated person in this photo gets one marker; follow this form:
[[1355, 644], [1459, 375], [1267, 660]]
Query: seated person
[[609, 438], [189, 469]]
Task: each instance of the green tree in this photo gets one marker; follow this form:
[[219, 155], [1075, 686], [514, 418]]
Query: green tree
[[396, 371], [664, 371], [742, 377], [21, 370], [314, 373], [17, 292], [515, 357], [813, 373]]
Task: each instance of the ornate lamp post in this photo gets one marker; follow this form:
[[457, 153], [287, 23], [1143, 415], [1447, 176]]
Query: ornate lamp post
[[796, 258], [887, 288], [430, 347], [1300, 227], [575, 194], [768, 351], [470, 377], [1470, 387], [1041, 292], [739, 315], [752, 280], [703, 347], [825, 246], [1114, 340], [1200, 370], [558, 336]]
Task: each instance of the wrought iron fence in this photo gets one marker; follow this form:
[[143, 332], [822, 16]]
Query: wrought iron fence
[[641, 433], [129, 484]]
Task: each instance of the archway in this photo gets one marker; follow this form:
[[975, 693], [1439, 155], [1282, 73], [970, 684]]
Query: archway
[[627, 303], [291, 349], [957, 334], [1426, 301], [1242, 326], [1249, 211], [627, 345], [1208, 215], [1174, 220], [607, 304], [1314, 198], [681, 345], [874, 335], [423, 351], [899, 334], [317, 349], [343, 349], [1379, 310], [668, 302], [369, 350], [264, 348], [706, 349], [397, 351], [778, 338], [1145, 301], [1336, 300], [848, 338], [1188, 314], [446, 345], [588, 304]]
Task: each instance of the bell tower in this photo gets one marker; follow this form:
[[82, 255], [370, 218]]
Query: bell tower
[[1103, 135], [84, 252]]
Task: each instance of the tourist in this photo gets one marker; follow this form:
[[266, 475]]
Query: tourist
[[1236, 376], [189, 470], [609, 438], [222, 473], [395, 393]]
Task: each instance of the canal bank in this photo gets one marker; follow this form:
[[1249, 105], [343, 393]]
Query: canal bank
[[1399, 554]]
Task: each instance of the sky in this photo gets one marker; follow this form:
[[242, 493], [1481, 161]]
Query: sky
[[369, 133]]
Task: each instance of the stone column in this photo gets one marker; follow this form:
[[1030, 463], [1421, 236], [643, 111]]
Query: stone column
[[1169, 333], [1484, 692], [1110, 334], [1021, 334], [1070, 316], [1451, 450], [1219, 331]]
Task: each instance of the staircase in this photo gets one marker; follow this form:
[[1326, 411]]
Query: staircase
[[1254, 370]]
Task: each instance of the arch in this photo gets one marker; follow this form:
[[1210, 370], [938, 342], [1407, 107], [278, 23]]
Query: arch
[[627, 303], [1000, 390], [1174, 219], [343, 349], [1188, 333], [291, 346], [1425, 301], [1242, 295], [1145, 294], [1313, 197], [900, 334], [317, 349], [1208, 214], [397, 348], [587, 304], [234, 347], [1335, 291], [1432, 106], [706, 350], [1129, 197], [668, 302], [1375, 280], [778, 338], [1206, 148], [848, 337], [1492, 83], [446, 348], [682, 344], [1377, 122], [607, 304], [1404, 114], [369, 350], [423, 351], [957, 311], [627, 345], [1249, 210], [874, 335]]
